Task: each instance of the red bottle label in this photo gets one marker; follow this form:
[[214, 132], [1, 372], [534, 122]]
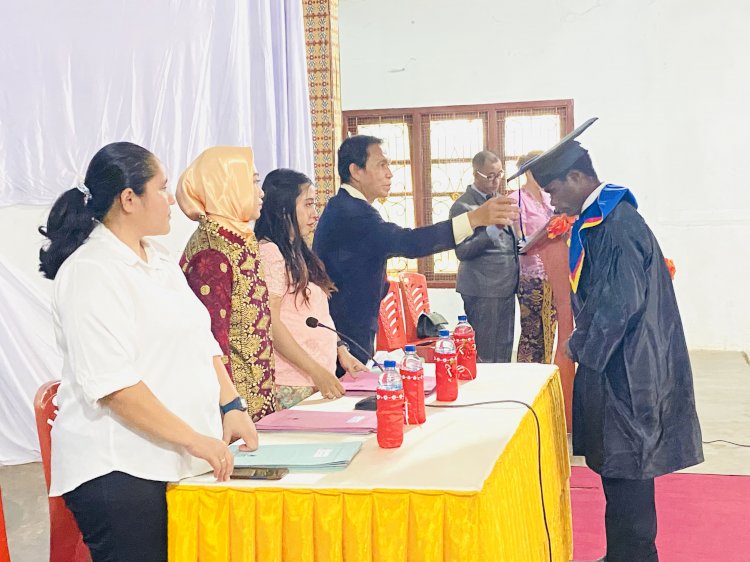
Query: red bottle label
[[446, 377], [390, 413], [414, 395], [466, 352]]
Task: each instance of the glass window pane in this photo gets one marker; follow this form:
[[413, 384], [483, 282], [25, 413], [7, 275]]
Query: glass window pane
[[397, 265], [524, 133], [445, 262], [511, 167], [402, 180], [399, 210], [451, 177], [395, 138], [456, 138]]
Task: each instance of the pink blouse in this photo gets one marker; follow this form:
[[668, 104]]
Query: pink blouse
[[534, 216], [319, 343]]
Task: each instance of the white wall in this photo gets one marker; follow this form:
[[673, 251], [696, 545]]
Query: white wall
[[667, 78]]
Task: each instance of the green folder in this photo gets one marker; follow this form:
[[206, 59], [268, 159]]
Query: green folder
[[299, 457]]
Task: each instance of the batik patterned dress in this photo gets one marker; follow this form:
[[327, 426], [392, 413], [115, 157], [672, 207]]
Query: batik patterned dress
[[223, 269], [535, 300]]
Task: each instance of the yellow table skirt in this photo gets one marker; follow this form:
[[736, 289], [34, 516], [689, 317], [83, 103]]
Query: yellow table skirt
[[502, 522]]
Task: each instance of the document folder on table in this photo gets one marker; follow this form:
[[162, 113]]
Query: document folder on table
[[308, 456], [297, 419], [368, 382]]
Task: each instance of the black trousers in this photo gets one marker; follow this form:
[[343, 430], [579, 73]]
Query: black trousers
[[122, 518], [630, 520], [493, 320]]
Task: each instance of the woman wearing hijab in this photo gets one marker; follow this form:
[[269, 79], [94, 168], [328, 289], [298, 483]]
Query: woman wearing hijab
[[299, 287], [221, 191]]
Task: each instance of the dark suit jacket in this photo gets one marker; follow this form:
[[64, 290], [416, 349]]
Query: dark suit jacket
[[485, 270], [354, 243]]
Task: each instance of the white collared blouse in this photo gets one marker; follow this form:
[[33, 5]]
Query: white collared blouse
[[120, 320]]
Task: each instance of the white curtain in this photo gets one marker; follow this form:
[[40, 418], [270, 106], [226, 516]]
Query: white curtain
[[175, 77], [28, 358]]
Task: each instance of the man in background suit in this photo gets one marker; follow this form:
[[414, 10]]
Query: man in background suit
[[355, 242], [488, 270]]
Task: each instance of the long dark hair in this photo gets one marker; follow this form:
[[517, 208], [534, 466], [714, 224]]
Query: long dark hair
[[278, 224], [72, 218]]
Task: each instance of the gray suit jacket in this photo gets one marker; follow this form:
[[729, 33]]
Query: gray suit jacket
[[485, 269]]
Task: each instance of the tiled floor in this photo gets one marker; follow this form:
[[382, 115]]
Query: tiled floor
[[721, 385]]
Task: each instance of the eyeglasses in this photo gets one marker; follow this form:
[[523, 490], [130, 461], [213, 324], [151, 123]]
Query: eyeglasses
[[492, 177]]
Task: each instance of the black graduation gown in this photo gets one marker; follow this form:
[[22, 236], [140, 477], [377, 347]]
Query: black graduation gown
[[634, 411]]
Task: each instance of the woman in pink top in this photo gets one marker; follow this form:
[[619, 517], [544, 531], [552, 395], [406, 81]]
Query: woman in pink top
[[298, 287], [534, 291]]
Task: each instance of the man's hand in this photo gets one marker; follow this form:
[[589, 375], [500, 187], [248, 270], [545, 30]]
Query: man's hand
[[349, 363], [500, 210]]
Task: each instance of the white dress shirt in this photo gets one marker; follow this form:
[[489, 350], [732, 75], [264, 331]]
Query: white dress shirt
[[120, 320], [593, 196]]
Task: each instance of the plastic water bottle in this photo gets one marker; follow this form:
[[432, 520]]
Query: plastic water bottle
[[412, 375], [411, 361], [445, 368], [463, 327], [390, 407], [466, 349], [390, 379]]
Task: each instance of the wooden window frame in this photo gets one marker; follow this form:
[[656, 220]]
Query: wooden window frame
[[418, 120]]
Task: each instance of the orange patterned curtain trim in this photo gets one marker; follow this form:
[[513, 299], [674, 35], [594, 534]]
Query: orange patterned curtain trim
[[322, 41]]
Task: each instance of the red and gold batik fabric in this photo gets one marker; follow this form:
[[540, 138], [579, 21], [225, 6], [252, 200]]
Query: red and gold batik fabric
[[223, 270]]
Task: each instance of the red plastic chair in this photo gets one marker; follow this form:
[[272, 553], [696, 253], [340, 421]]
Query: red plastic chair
[[391, 329], [65, 539], [415, 299], [4, 553], [391, 334]]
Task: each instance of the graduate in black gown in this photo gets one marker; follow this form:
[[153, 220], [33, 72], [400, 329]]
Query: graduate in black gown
[[634, 414]]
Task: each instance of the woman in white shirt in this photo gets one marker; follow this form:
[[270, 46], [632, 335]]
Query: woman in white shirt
[[144, 397]]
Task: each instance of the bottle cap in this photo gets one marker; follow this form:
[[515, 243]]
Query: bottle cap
[[462, 318], [388, 364], [444, 333], [410, 348]]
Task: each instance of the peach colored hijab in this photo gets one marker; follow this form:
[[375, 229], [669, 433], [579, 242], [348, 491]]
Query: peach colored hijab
[[220, 185]]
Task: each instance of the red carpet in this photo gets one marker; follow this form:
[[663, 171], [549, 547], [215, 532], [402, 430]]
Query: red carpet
[[702, 517]]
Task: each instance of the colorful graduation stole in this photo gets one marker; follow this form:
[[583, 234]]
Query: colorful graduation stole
[[593, 216]]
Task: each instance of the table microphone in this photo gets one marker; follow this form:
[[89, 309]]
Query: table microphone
[[312, 322]]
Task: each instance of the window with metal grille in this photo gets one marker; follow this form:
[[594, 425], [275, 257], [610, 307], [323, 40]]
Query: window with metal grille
[[431, 150]]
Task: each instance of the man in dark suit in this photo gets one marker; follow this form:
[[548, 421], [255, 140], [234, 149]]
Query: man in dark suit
[[354, 241], [487, 277]]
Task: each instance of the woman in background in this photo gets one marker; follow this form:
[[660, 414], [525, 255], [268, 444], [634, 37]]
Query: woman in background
[[142, 381], [299, 287], [534, 292], [221, 191]]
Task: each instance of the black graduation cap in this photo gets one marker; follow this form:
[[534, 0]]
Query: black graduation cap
[[552, 162]]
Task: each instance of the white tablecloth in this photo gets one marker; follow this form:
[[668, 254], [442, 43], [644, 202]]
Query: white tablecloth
[[455, 449]]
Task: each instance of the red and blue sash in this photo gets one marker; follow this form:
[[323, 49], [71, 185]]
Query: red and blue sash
[[593, 216]]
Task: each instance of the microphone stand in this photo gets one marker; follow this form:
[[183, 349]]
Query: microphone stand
[[313, 322]]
